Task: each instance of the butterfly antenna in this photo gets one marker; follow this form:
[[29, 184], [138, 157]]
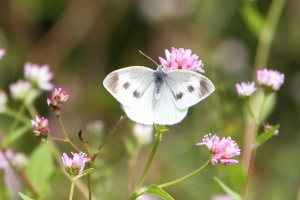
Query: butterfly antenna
[[148, 57]]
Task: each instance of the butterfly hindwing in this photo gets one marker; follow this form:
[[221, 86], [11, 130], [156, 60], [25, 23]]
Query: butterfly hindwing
[[165, 110], [129, 84], [187, 87]]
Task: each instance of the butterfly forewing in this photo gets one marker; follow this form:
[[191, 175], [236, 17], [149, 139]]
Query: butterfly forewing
[[129, 84], [188, 88]]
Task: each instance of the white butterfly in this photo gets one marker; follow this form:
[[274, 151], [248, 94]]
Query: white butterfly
[[157, 97]]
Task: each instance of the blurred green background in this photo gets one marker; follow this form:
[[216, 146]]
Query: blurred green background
[[83, 41]]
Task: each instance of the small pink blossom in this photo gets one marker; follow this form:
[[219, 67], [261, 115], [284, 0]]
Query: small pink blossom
[[270, 79], [223, 150], [268, 127], [39, 76], [2, 53], [59, 96], [245, 89], [76, 165], [181, 59], [41, 128]]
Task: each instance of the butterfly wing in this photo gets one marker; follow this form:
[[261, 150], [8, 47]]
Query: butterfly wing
[[165, 110], [187, 87], [129, 84]]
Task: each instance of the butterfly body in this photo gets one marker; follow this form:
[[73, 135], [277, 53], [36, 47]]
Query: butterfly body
[[157, 97]]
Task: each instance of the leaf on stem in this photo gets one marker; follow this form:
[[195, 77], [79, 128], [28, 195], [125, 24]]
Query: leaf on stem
[[154, 189], [160, 128], [228, 190], [85, 172], [24, 197], [262, 138]]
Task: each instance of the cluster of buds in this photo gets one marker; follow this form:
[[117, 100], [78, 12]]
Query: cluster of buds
[[56, 101], [223, 150], [41, 128]]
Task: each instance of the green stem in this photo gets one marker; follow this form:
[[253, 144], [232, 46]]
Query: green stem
[[150, 159], [207, 164], [16, 115], [267, 34], [31, 109], [66, 135], [253, 151], [122, 118], [72, 189]]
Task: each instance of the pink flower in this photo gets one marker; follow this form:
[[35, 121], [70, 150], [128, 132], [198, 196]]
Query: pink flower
[[245, 89], [270, 79], [181, 59], [56, 101], [76, 165], [223, 150], [39, 76], [41, 128], [2, 53], [20, 90]]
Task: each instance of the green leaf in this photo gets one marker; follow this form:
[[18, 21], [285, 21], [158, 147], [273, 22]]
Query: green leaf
[[85, 172], [228, 190], [160, 128], [41, 168], [13, 136], [262, 138], [154, 189], [257, 100], [24, 197], [252, 17]]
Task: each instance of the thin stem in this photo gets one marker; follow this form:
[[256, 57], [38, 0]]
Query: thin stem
[[31, 109], [253, 151], [72, 189], [121, 119], [150, 159], [66, 135], [267, 34], [89, 183], [16, 115], [207, 164]]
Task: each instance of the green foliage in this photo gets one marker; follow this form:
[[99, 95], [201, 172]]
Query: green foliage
[[154, 189], [265, 136], [252, 17], [24, 197], [41, 168], [228, 190]]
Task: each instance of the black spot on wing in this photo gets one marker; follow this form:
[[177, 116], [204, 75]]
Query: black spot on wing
[[137, 94], [126, 85], [113, 84], [179, 96], [191, 88], [204, 88]]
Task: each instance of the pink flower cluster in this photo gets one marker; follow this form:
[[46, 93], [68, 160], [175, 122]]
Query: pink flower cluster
[[245, 89], [59, 96], [181, 59], [41, 128], [223, 150], [270, 79], [76, 165], [266, 78]]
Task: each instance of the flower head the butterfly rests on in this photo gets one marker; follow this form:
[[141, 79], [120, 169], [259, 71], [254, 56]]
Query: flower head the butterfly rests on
[[181, 59], [223, 150]]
